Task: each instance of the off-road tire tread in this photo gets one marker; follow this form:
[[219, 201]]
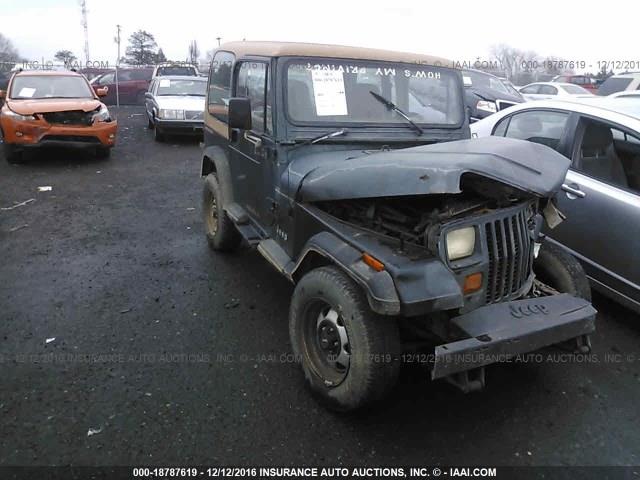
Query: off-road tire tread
[[227, 237], [380, 335], [562, 270]]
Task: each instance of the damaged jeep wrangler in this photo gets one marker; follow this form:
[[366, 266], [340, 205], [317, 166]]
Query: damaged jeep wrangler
[[353, 173]]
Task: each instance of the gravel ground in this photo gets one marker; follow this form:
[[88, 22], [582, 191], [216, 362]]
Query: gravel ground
[[173, 354]]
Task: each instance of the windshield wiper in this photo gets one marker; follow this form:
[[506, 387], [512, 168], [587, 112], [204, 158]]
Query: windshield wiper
[[392, 106], [325, 136]]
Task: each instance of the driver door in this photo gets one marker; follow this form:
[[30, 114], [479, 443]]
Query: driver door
[[253, 150]]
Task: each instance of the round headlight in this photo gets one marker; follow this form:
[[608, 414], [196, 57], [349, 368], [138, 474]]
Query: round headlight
[[461, 243]]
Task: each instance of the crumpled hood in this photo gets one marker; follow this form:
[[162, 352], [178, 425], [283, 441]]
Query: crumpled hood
[[493, 95], [181, 102], [429, 169], [29, 107]]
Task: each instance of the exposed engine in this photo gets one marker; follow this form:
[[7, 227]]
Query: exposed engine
[[415, 219]]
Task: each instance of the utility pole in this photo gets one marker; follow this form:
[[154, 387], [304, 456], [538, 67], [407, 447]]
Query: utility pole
[[218, 38], [117, 40], [85, 25]]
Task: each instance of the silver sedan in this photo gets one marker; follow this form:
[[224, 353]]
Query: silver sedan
[[175, 105], [601, 197]]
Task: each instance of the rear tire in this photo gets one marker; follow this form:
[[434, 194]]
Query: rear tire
[[327, 298], [12, 154], [561, 271], [221, 232]]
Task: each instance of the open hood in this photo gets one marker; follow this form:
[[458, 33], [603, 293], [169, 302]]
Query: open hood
[[429, 169]]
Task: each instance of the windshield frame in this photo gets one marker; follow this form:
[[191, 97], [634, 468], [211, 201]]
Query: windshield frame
[[12, 86], [400, 125]]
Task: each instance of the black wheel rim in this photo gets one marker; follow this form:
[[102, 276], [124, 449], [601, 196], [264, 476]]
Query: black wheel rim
[[212, 215], [326, 342]]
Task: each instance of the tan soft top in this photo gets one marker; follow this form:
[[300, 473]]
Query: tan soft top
[[295, 49]]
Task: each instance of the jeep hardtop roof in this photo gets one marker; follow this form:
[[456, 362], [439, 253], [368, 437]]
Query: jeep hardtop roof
[[298, 49]]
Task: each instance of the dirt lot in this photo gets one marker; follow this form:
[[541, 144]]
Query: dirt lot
[[177, 355]]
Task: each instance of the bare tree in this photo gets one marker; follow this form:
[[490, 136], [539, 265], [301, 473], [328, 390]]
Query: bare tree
[[194, 52], [8, 54], [65, 56]]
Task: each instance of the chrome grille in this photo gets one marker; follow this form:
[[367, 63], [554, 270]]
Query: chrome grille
[[510, 255]]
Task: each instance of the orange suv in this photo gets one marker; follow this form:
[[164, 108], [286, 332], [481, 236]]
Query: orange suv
[[54, 108]]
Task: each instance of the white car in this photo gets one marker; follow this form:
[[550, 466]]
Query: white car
[[622, 82], [601, 198], [182, 69], [553, 90], [626, 94]]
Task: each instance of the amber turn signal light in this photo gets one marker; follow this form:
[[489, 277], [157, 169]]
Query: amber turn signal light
[[472, 283], [374, 263]]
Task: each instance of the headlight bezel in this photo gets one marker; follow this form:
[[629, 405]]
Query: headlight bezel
[[102, 115], [18, 116], [466, 238], [487, 106], [171, 114]]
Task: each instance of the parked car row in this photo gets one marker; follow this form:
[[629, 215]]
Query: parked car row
[[44, 108]]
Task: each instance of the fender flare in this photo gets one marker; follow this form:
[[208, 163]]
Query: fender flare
[[325, 248], [215, 160]]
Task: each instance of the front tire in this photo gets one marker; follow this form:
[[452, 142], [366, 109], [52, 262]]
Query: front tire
[[221, 232], [12, 154], [158, 136], [350, 355], [103, 152], [561, 271]]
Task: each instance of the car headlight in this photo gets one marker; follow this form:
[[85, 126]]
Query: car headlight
[[168, 114], [17, 116], [487, 106], [461, 242], [102, 115]]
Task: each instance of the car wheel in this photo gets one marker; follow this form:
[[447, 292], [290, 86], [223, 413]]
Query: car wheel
[[158, 136], [12, 154], [103, 152], [561, 271], [350, 355], [222, 234]]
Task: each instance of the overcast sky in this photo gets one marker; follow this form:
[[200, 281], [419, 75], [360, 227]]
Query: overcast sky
[[457, 30]]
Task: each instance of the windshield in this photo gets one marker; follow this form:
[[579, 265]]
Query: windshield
[[168, 86], [50, 86], [478, 79], [163, 71], [341, 91], [614, 84]]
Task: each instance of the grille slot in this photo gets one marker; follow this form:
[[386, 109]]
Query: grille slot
[[510, 255], [71, 117]]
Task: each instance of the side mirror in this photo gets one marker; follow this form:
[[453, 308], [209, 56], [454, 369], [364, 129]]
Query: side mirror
[[240, 113], [148, 95], [102, 92], [3, 94]]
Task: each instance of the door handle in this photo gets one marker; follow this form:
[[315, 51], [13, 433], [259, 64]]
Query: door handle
[[573, 191], [255, 140]]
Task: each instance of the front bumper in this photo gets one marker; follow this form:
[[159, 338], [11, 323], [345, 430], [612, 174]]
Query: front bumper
[[40, 133], [180, 126], [500, 331]]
